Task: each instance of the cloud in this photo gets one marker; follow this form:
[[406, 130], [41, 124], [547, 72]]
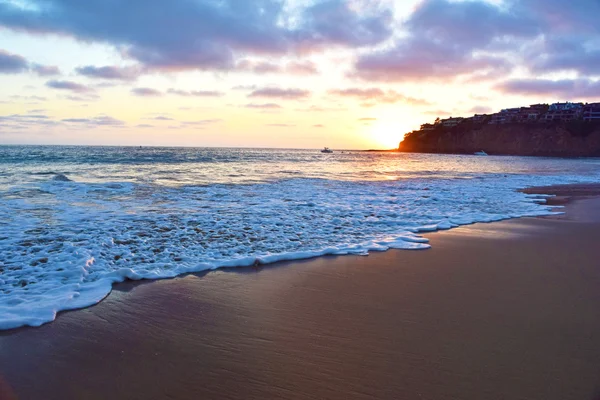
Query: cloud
[[161, 118], [302, 68], [321, 109], [266, 106], [244, 87], [564, 88], [101, 120], [12, 63], [439, 113], [298, 68], [195, 93], [201, 124], [83, 98], [30, 98], [68, 85], [284, 94], [110, 72], [345, 23], [446, 39], [204, 34], [45, 70], [318, 126], [23, 121], [144, 126], [367, 119], [481, 110], [258, 67], [146, 92], [378, 95]]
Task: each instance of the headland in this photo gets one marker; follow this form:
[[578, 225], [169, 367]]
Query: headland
[[549, 130]]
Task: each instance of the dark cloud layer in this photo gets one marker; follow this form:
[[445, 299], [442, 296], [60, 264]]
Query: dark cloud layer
[[202, 34], [446, 39], [483, 41]]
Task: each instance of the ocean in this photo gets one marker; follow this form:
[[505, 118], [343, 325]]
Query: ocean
[[76, 220]]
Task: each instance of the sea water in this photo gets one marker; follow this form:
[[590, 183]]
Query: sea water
[[75, 220]]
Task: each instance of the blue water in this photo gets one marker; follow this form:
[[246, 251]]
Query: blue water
[[75, 220]]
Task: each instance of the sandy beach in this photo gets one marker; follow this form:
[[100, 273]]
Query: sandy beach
[[507, 310]]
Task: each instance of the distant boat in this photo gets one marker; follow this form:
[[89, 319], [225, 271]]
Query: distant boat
[[481, 153], [326, 150]]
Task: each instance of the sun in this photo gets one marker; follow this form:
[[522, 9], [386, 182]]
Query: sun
[[386, 135]]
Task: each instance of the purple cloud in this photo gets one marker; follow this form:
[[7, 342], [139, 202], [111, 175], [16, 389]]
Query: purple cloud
[[321, 109], [101, 120], [302, 68], [265, 67], [146, 92], [195, 93], [267, 106], [244, 87], [258, 67], [378, 95], [281, 125], [202, 34], [45, 70], [110, 72], [69, 85], [447, 39], [30, 98], [202, 122], [277, 93], [84, 97], [162, 118], [345, 23], [565, 88], [12, 63], [481, 110]]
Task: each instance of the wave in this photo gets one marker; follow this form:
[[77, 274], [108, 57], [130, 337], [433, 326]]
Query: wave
[[61, 178], [67, 251]]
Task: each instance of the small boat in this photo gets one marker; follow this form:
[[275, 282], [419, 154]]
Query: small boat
[[326, 150], [481, 153]]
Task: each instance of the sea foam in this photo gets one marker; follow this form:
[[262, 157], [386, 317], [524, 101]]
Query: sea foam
[[65, 243]]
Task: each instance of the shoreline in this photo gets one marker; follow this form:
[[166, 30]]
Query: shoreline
[[501, 310], [558, 196]]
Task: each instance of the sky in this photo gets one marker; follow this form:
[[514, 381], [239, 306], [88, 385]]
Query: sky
[[347, 74]]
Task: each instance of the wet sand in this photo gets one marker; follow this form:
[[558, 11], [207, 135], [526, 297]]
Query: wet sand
[[508, 310]]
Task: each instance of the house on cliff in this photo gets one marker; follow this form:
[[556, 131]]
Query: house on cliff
[[565, 106], [564, 112], [591, 112], [451, 122]]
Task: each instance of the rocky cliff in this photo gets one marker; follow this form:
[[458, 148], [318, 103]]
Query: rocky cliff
[[566, 139]]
